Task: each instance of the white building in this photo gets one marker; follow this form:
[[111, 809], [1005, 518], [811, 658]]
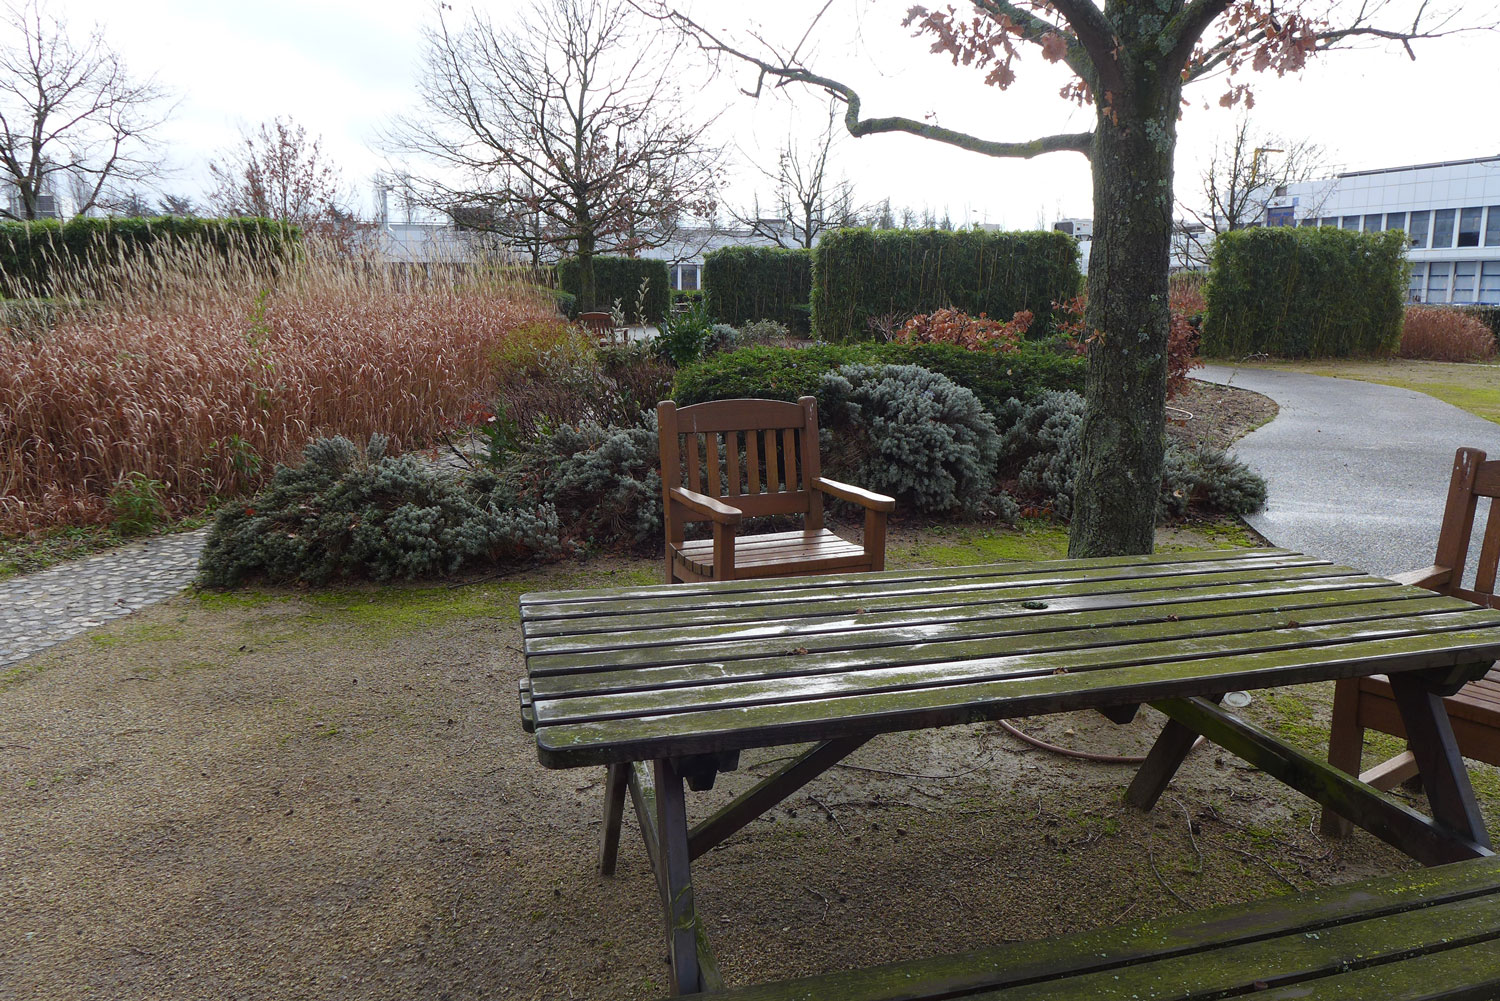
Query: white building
[[1186, 240], [1449, 211], [684, 253]]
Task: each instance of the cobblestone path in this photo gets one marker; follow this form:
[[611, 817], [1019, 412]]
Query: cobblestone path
[[38, 610]]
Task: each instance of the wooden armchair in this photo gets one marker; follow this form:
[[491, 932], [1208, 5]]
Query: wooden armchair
[[602, 325], [1368, 703], [770, 467]]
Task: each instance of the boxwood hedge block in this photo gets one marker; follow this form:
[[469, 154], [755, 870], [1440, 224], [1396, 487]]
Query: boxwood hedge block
[[1305, 292], [745, 284], [620, 278], [858, 274]]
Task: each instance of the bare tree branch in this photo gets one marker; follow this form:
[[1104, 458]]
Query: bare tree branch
[[70, 113]]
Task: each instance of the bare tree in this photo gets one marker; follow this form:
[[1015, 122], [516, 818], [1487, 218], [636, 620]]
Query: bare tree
[[574, 118], [278, 172], [1243, 174], [176, 205], [1131, 60], [69, 109], [808, 198]]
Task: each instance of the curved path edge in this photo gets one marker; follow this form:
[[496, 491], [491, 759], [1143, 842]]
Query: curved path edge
[[1355, 472]]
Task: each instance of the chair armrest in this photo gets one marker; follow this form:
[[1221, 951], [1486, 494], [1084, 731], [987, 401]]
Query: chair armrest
[[713, 510], [1432, 578], [854, 495]]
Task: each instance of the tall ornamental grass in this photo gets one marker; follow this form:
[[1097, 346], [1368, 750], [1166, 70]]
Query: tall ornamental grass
[[199, 371], [1442, 333]]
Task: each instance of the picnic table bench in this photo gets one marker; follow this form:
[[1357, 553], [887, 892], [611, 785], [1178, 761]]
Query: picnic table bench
[[666, 685]]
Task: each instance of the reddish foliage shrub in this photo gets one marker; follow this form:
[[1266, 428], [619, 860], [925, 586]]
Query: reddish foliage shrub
[[953, 326], [1185, 300], [1435, 333], [203, 375]]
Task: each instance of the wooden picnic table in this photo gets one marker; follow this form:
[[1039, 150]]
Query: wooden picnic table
[[666, 684]]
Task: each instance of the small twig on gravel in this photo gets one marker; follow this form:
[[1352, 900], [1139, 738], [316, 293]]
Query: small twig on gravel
[[454, 449], [831, 815], [908, 775], [1265, 862], [815, 893], [1291, 848], [1151, 858], [1191, 837], [1123, 914]]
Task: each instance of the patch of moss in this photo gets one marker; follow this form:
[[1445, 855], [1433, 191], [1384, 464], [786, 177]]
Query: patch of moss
[[146, 632], [1034, 539]]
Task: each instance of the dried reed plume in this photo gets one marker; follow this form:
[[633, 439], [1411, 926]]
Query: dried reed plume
[[203, 369], [1442, 333]]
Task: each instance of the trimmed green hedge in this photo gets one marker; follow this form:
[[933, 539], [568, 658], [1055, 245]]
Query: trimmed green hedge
[[29, 251], [1305, 292], [862, 273], [745, 284], [787, 373], [620, 278]]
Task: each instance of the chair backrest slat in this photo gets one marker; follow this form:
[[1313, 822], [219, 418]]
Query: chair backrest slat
[[732, 463], [1487, 484], [711, 463]]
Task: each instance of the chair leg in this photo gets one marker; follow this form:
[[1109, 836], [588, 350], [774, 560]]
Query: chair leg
[[1346, 745]]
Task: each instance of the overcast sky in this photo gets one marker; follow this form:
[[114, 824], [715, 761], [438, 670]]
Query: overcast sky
[[343, 68]]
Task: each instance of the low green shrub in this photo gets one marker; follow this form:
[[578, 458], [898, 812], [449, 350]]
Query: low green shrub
[[911, 433], [684, 335], [1039, 449], [604, 482], [1208, 477], [574, 382], [1305, 292], [350, 513], [139, 504], [567, 302], [787, 373]]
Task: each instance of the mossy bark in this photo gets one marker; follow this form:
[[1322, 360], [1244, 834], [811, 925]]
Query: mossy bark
[[1119, 476]]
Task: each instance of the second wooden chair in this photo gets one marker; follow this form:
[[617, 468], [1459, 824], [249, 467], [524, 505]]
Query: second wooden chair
[[1370, 703]]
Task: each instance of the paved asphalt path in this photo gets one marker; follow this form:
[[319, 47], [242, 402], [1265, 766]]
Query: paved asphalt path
[[1355, 472]]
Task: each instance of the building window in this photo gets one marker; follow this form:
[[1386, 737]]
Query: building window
[[685, 277], [1351, 222], [1372, 223], [1437, 281], [1330, 221], [1418, 229], [1492, 227], [1418, 278], [1313, 222], [1395, 220], [1489, 283], [1464, 273], [1442, 228], [1468, 226]]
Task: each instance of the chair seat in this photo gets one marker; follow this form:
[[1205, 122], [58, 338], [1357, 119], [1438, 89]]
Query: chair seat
[[777, 554], [1475, 712]]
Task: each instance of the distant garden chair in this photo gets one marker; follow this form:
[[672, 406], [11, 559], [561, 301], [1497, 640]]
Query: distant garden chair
[[601, 324], [731, 459], [1369, 703]]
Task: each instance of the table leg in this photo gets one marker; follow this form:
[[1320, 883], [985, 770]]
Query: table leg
[[615, 781], [1429, 734], [1162, 761], [676, 878]]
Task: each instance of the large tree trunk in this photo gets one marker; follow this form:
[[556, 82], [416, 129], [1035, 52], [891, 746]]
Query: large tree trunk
[[1119, 474], [587, 292]]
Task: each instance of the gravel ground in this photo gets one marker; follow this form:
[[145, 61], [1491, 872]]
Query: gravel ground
[[330, 796]]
